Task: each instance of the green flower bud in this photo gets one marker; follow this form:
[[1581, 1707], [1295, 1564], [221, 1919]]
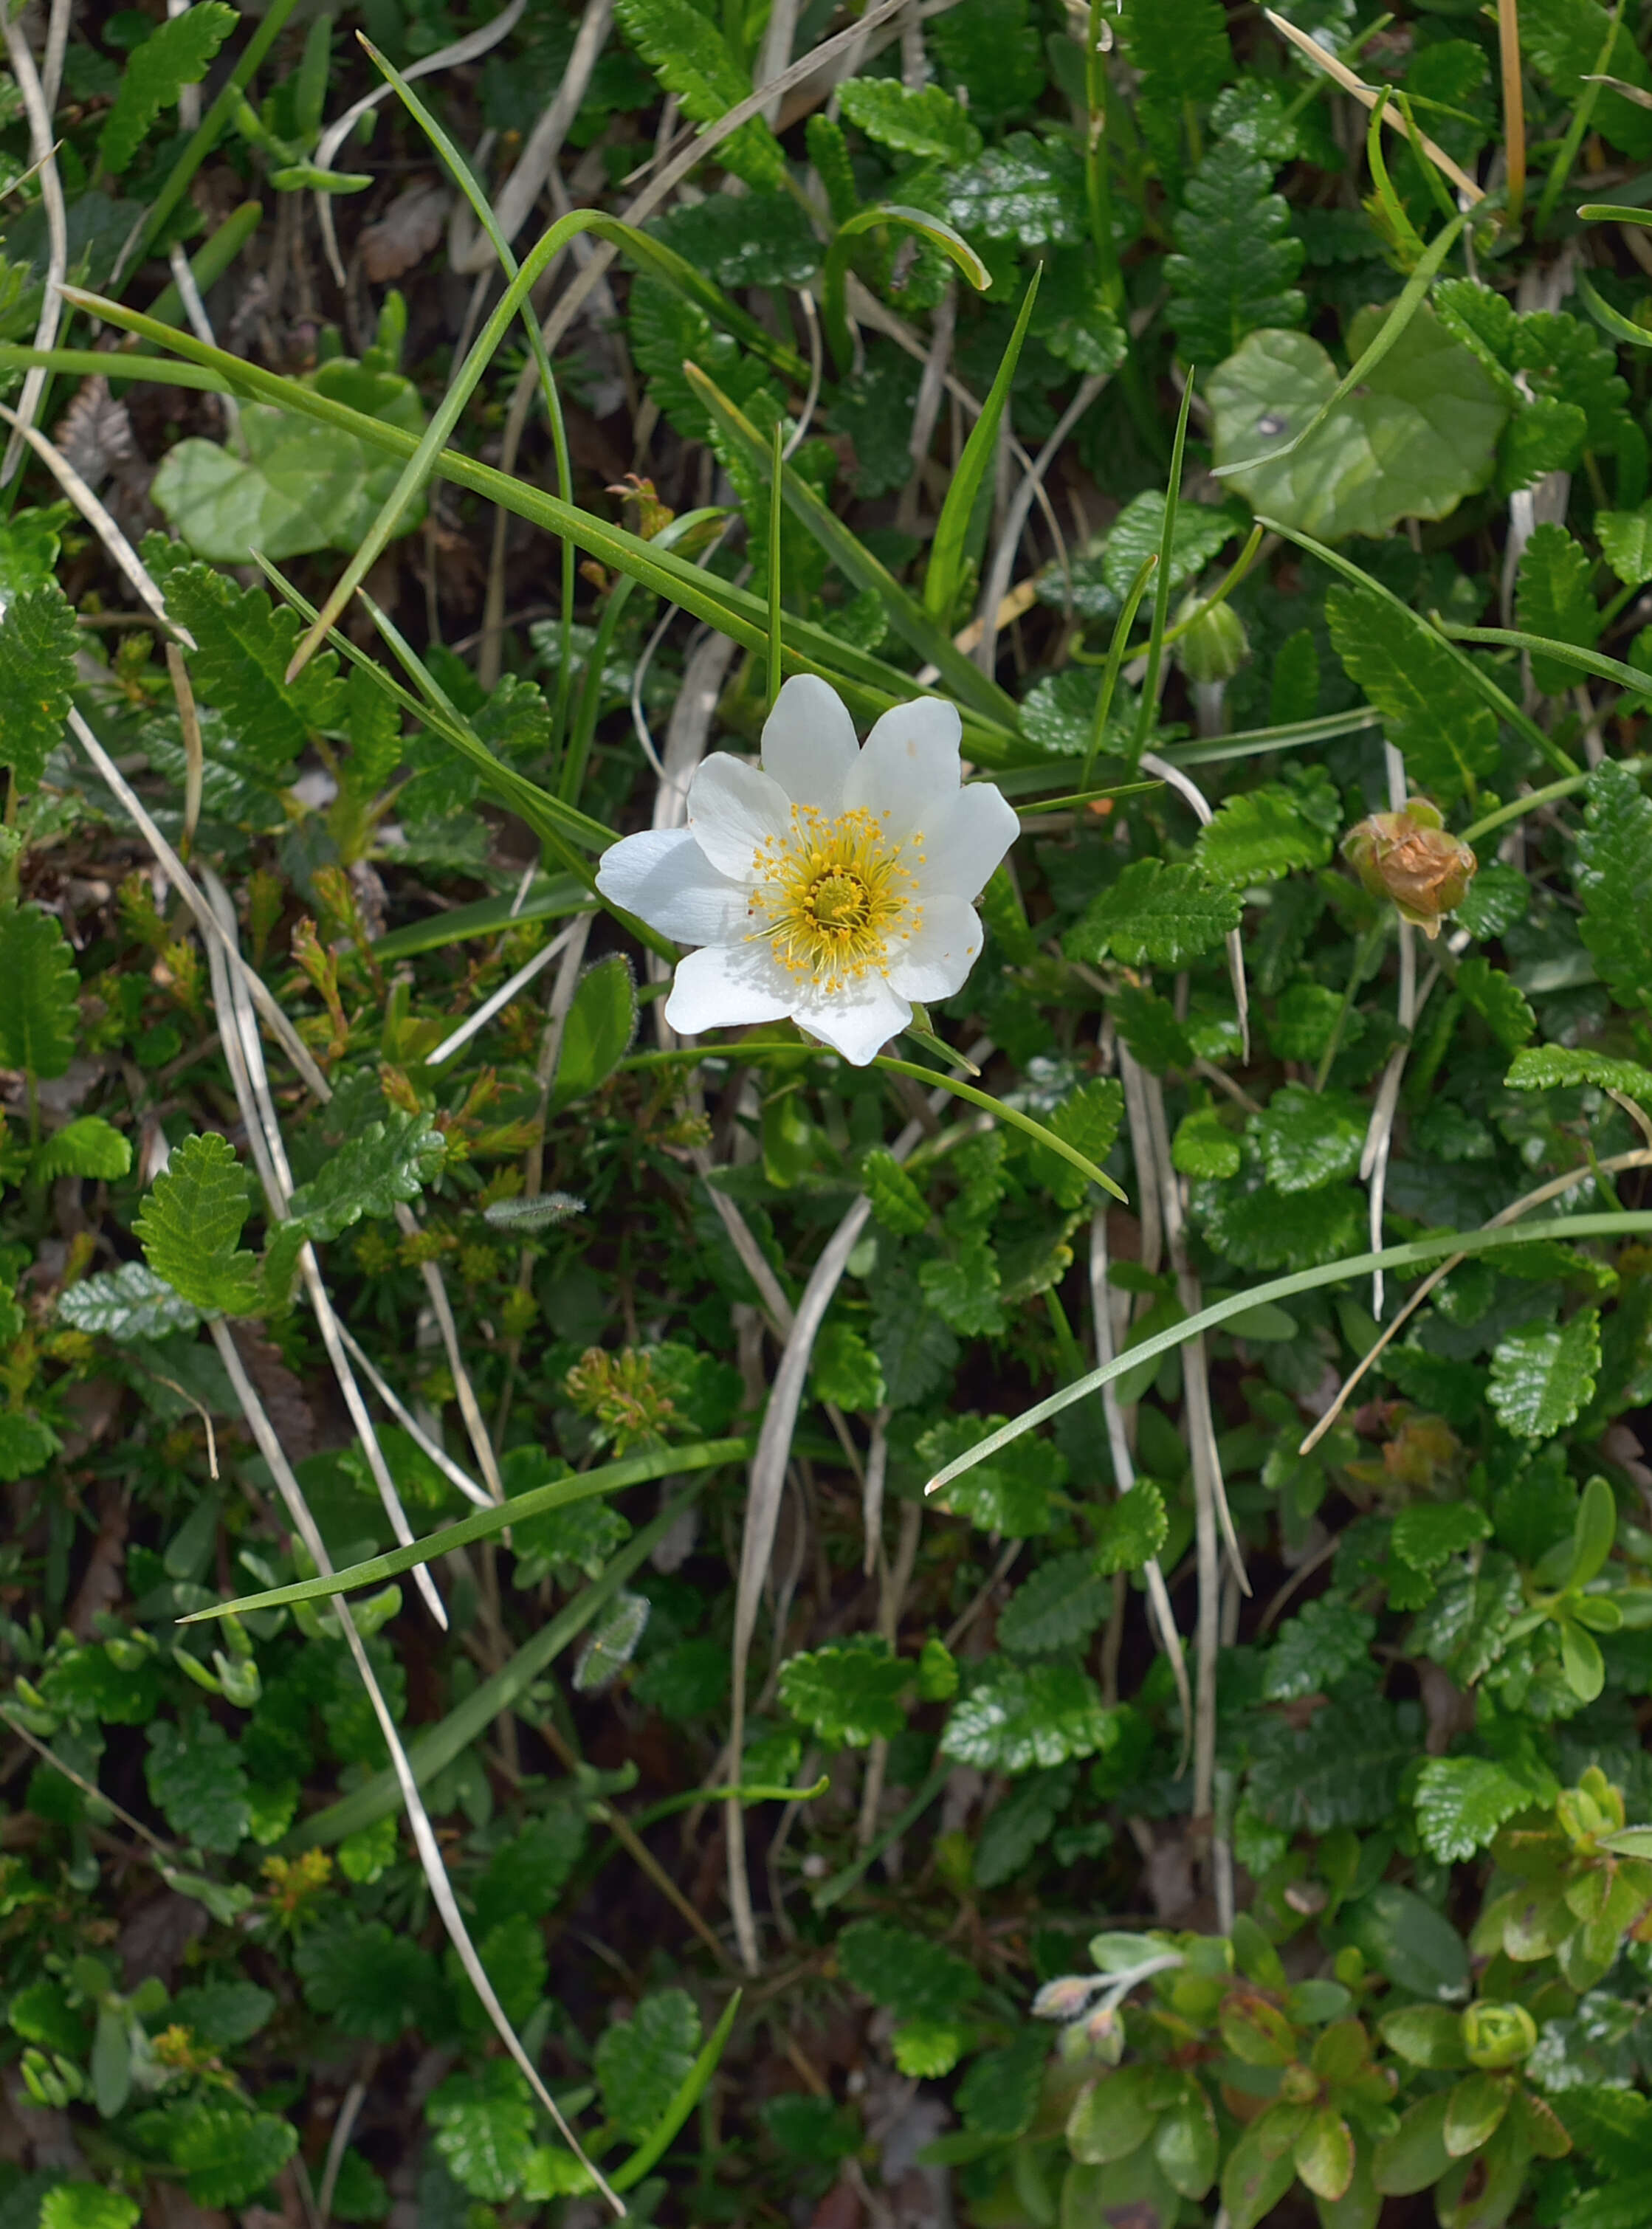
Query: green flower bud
[[1409, 857], [1215, 648], [1495, 2036]]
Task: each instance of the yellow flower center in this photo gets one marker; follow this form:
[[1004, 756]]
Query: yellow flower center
[[835, 893]]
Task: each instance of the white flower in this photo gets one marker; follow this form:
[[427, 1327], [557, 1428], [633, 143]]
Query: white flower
[[832, 886]]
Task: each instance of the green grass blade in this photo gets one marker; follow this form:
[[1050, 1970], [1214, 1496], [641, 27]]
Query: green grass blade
[[848, 553], [1012, 1115], [869, 684], [1621, 329], [946, 566], [1503, 705], [776, 514], [1406, 305], [609, 1478], [1115, 650], [835, 315], [430, 1751], [1415, 1256], [1568, 654], [1147, 715], [632, 2171], [557, 894]]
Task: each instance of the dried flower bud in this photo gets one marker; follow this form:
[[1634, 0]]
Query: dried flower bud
[[1216, 648], [1495, 2036], [1409, 857]]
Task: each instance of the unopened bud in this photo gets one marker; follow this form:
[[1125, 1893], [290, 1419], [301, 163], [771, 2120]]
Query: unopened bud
[[1409, 857], [1495, 2036], [1067, 1996], [1214, 647]]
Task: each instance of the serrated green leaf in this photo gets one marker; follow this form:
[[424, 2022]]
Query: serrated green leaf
[[896, 1202], [1309, 1139], [1020, 1822], [916, 1979], [759, 239], [195, 1776], [1609, 874], [88, 1146], [26, 1445], [1564, 1068], [174, 55], [369, 1980], [189, 1225], [1260, 835], [387, 1162], [88, 2206], [1155, 913], [642, 2062], [913, 119], [688, 53], [1625, 539], [1236, 258], [228, 2155], [243, 645], [1180, 47], [1462, 1802], [1498, 1000], [847, 1693], [38, 642], [1000, 2095], [1203, 1146], [1058, 1606], [916, 1351], [1418, 435], [484, 2129], [997, 51], [1327, 1642], [1019, 1715], [1428, 1533], [1131, 1531], [1009, 1494], [1027, 189], [1138, 532], [126, 1304], [1544, 435], [1543, 1377], [844, 1370], [963, 1289], [1553, 599], [1446, 734], [1087, 1119], [1147, 1025], [38, 990], [1342, 1769]]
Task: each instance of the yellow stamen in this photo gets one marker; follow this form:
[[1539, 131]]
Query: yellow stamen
[[837, 896]]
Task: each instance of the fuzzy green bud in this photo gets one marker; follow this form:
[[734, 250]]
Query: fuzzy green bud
[[1215, 647], [1495, 2036]]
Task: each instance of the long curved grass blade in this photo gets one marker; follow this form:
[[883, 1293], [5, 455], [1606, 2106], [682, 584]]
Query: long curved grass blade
[[610, 1478], [429, 1751], [1414, 1255], [1012, 1115], [1613, 213], [632, 2171], [1611, 320], [847, 551], [1502, 704], [1148, 712], [1568, 654], [870, 684], [1406, 305], [835, 315], [946, 566], [1115, 650]]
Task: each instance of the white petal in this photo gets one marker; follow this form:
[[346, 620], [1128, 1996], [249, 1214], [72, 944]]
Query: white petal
[[936, 958], [909, 771], [664, 878], [726, 985], [857, 1021], [733, 807], [809, 743], [966, 842]]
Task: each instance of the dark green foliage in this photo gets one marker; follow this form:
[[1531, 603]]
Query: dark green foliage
[[38, 639], [1236, 259]]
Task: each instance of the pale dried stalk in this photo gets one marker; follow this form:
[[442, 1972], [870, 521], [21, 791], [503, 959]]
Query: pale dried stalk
[[470, 49], [767, 1480], [516, 198], [37, 106], [96, 515], [410, 1424], [238, 1029], [1028, 490], [473, 1023], [195, 763], [211, 931], [1362, 93], [1190, 792], [1641, 1159], [430, 1855]]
